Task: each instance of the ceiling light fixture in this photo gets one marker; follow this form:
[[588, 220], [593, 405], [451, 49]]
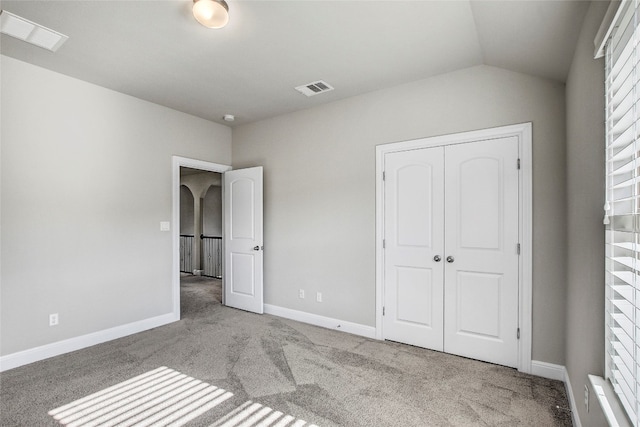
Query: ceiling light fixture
[[211, 13], [30, 32]]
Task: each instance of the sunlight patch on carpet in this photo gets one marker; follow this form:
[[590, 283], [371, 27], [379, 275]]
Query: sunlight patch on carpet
[[251, 414], [164, 397], [161, 397]]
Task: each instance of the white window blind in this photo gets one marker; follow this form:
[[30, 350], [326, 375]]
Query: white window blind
[[623, 208]]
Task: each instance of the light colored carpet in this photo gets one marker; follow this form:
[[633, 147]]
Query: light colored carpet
[[325, 377], [197, 293]]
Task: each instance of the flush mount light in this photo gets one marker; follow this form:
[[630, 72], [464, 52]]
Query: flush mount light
[[211, 13], [30, 32]]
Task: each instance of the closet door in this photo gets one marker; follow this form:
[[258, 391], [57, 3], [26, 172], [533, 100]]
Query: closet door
[[414, 239], [481, 258]]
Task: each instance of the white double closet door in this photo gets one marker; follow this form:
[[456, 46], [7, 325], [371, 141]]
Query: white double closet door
[[451, 254]]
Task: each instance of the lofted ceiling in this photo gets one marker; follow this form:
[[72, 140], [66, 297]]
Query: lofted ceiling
[[155, 50]]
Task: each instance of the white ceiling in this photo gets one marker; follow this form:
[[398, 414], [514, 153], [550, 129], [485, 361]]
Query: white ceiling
[[155, 50]]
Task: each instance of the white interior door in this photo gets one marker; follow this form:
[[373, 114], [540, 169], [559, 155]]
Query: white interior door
[[414, 239], [243, 239], [481, 237], [450, 258]]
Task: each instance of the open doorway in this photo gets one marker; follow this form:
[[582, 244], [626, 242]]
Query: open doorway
[[242, 243], [200, 241], [197, 236]]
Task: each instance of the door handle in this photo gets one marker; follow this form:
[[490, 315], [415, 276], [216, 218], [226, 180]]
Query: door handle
[[450, 259], [258, 248], [437, 258]]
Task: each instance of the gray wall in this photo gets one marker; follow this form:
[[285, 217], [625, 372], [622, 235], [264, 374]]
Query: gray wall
[[585, 232], [76, 240], [320, 187]]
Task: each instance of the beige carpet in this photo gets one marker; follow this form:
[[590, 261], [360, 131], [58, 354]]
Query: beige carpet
[[276, 369]]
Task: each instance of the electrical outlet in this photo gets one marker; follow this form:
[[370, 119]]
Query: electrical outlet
[[301, 293], [586, 397], [318, 296], [53, 319]]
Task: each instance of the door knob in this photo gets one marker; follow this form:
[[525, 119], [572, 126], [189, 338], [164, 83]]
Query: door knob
[[450, 259], [437, 258], [256, 248]]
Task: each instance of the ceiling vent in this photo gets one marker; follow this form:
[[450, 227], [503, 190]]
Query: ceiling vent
[[30, 32], [314, 88]]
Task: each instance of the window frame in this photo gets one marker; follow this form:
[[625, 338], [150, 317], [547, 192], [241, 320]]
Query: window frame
[[622, 208]]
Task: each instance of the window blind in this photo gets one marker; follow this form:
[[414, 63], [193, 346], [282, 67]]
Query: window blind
[[622, 208]]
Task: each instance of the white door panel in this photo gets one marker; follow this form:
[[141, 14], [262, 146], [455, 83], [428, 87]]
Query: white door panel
[[242, 268], [477, 307], [413, 280], [481, 229], [242, 217], [415, 286], [243, 239], [480, 203]]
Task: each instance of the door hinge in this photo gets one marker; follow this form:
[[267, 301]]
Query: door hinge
[[384, 243], [518, 333], [518, 248], [518, 163], [383, 310], [384, 176]]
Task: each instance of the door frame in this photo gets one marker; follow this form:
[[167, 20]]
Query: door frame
[[176, 163], [523, 132]]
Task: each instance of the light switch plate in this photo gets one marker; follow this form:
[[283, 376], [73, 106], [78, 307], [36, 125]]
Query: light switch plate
[[165, 226]]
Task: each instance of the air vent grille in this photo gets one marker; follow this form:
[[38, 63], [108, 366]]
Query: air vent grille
[[314, 88]]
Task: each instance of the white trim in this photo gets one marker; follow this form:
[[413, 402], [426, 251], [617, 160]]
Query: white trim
[[525, 137], [607, 398], [575, 416], [317, 320], [548, 370], [36, 354], [379, 236], [523, 132], [176, 163], [606, 27]]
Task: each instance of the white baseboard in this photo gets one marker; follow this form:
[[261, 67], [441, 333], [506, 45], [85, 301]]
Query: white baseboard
[[25, 357], [558, 372], [572, 401], [325, 322], [548, 370]]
